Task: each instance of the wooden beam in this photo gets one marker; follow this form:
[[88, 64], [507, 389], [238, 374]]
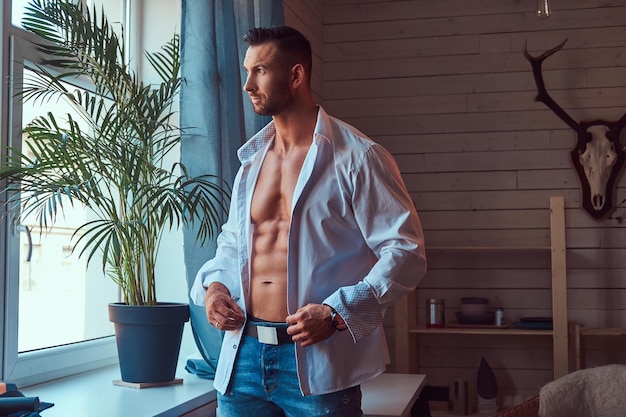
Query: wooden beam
[[559, 287]]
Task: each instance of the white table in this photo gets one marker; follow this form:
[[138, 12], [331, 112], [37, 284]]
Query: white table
[[391, 394]]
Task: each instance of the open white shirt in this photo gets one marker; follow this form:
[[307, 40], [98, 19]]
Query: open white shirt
[[355, 243]]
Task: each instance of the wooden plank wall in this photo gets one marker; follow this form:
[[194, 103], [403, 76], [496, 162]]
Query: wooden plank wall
[[306, 16], [445, 87]]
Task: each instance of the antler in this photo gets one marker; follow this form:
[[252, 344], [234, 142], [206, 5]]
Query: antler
[[542, 94], [616, 129]]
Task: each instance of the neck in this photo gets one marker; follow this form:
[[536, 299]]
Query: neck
[[295, 126]]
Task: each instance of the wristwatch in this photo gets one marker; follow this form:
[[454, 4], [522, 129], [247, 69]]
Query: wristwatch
[[334, 322]]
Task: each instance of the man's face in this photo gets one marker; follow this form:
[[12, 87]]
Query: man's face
[[268, 82]]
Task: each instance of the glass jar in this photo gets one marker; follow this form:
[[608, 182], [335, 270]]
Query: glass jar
[[435, 312]]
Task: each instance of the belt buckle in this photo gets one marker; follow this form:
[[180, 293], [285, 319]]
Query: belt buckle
[[267, 335]]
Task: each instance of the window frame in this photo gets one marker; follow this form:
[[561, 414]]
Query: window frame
[[28, 368]]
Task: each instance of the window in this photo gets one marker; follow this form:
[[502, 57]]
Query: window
[[55, 309], [114, 9]]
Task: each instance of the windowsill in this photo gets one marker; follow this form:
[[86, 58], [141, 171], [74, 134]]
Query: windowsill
[[93, 394]]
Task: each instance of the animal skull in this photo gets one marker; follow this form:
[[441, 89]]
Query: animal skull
[[598, 155], [597, 160]]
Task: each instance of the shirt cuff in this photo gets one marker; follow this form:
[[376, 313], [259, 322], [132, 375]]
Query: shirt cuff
[[359, 308]]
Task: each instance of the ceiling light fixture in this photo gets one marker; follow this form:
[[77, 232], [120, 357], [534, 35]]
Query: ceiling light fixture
[[543, 9]]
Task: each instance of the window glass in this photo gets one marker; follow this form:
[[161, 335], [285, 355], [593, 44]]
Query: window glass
[[17, 12], [58, 303], [114, 9]]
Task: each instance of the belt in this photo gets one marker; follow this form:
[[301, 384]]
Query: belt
[[267, 334]]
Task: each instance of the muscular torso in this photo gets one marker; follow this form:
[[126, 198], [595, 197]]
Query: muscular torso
[[271, 215]]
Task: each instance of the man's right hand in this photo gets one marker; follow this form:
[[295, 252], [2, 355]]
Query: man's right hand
[[221, 310]]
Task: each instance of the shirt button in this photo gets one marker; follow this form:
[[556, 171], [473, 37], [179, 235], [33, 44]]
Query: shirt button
[[235, 347]]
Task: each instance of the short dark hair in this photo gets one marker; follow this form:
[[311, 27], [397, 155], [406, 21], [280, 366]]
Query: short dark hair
[[292, 44]]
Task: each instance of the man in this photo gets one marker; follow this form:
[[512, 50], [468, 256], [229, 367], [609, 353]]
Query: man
[[321, 238]]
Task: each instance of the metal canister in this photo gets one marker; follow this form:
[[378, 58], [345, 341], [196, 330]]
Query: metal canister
[[435, 312], [499, 316]]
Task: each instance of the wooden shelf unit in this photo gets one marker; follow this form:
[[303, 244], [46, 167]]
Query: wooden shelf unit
[[488, 248], [406, 325], [477, 330]]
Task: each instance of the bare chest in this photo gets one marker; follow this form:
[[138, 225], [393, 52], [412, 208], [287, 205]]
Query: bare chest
[[274, 191]]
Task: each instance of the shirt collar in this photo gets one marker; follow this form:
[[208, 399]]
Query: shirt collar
[[265, 135]]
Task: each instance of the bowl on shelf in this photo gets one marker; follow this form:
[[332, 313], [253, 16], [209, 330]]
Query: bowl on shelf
[[474, 306], [485, 318]]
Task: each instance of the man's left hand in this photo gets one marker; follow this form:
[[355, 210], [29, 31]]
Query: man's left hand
[[310, 324]]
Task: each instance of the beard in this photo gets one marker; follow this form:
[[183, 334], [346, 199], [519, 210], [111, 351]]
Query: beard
[[274, 103]]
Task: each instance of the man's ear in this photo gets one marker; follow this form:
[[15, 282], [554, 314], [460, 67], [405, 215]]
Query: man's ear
[[298, 76]]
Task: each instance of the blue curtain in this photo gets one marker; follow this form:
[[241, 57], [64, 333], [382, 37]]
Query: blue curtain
[[216, 118]]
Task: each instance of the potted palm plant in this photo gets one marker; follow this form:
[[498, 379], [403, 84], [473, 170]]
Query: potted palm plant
[[117, 167]]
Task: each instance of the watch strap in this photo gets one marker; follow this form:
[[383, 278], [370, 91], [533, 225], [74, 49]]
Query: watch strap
[[333, 320]]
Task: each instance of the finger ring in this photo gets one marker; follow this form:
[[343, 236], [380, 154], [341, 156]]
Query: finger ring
[[217, 324]]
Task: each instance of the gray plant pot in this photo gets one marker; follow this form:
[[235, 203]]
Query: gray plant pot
[[148, 340]]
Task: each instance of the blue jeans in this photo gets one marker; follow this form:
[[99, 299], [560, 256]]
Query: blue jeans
[[264, 383]]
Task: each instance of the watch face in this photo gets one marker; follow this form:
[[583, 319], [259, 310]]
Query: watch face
[[333, 321]]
